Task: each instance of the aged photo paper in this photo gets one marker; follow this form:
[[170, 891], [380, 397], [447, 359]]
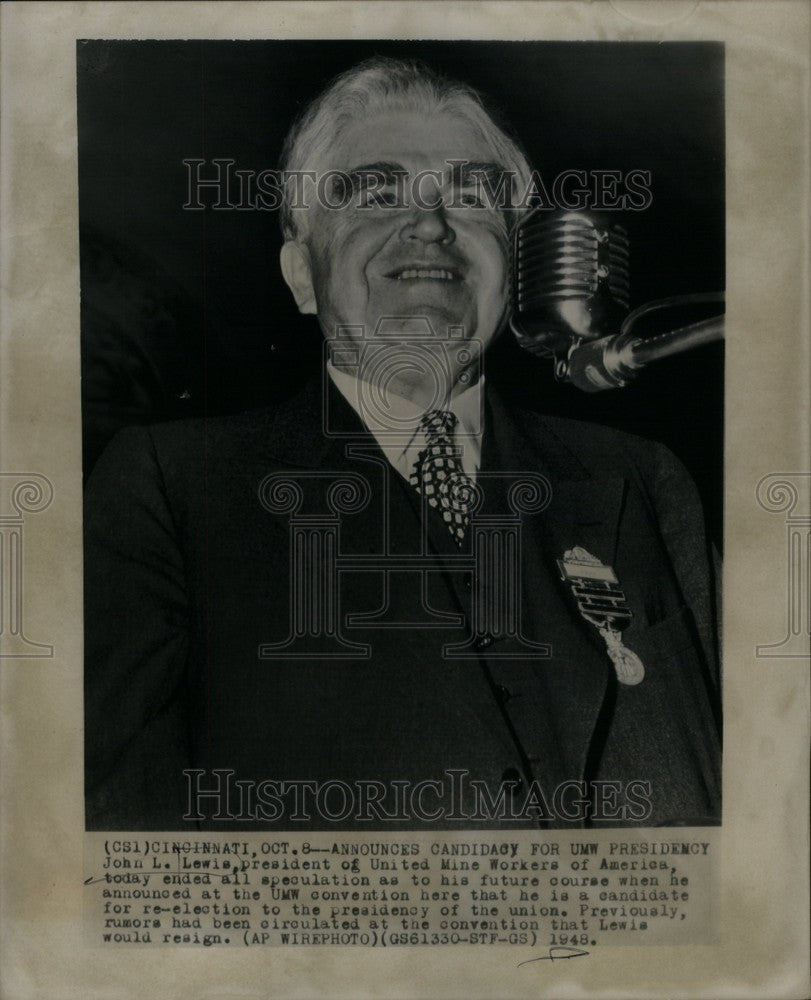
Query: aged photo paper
[[406, 505]]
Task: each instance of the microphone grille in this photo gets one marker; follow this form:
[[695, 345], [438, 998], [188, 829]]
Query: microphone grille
[[570, 278]]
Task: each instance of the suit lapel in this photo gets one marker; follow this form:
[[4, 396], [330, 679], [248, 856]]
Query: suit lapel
[[584, 509], [585, 504], [320, 431]]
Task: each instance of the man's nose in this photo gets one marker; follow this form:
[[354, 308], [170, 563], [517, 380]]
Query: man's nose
[[427, 225]]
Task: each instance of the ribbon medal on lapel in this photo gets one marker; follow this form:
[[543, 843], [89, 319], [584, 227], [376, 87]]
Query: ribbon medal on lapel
[[602, 603]]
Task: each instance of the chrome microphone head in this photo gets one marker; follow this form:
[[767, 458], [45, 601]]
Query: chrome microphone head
[[570, 279]]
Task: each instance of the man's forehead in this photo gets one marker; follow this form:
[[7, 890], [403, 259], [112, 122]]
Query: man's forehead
[[412, 140]]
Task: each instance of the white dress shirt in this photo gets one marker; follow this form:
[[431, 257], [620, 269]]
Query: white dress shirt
[[395, 421]]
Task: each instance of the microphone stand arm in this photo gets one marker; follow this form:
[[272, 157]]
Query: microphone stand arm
[[611, 362]]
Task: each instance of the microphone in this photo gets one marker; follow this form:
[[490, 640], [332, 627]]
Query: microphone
[[570, 298]]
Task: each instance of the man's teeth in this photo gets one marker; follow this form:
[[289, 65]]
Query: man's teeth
[[437, 273]]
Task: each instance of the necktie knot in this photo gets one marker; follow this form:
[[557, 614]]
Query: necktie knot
[[438, 423]]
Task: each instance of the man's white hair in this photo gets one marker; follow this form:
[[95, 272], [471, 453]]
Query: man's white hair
[[380, 85]]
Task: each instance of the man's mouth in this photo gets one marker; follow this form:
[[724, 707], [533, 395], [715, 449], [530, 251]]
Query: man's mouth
[[408, 273]]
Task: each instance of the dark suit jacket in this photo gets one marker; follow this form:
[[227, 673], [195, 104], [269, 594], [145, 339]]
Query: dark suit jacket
[[188, 574]]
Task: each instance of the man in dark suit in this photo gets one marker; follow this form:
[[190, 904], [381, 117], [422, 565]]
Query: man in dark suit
[[384, 603]]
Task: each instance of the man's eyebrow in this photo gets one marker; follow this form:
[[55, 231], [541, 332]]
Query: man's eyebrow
[[468, 171], [381, 167]]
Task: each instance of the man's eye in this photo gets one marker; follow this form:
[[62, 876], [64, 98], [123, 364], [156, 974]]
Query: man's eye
[[374, 190], [469, 199], [386, 197]]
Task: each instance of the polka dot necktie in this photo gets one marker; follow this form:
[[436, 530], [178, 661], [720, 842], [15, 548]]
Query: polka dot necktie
[[438, 474]]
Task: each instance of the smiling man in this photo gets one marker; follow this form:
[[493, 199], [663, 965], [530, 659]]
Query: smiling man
[[384, 603], [443, 261], [413, 237]]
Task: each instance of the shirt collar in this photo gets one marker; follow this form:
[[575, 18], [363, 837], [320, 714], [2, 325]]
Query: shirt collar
[[396, 428]]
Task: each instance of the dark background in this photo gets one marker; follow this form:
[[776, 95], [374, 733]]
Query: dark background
[[185, 313]]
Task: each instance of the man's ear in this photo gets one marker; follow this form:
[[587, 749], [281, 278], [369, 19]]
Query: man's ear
[[297, 272]]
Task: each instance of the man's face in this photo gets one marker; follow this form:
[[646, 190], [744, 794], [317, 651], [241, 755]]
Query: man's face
[[447, 264]]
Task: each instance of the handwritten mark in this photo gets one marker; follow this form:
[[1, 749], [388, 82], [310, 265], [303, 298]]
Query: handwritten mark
[[556, 953]]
